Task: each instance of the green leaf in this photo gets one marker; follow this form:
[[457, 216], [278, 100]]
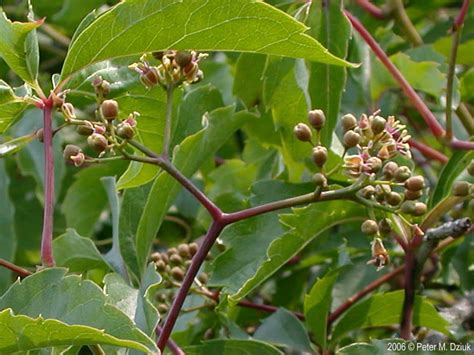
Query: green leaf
[[239, 25], [248, 83], [136, 303], [12, 146], [376, 347], [467, 86], [86, 198], [150, 127], [22, 333], [232, 347], [317, 305], [282, 328], [58, 298], [188, 157], [72, 12], [19, 47], [373, 312], [331, 28], [11, 106], [77, 253], [451, 171], [7, 227]]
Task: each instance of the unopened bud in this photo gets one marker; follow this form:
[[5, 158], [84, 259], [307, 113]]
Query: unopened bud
[[150, 77], [389, 169], [351, 139], [193, 248], [183, 58], [109, 109], [320, 155], [317, 119], [370, 227], [348, 122], [320, 180], [461, 188], [415, 183], [303, 132], [124, 130], [402, 174], [378, 124], [97, 142], [393, 198], [177, 273]]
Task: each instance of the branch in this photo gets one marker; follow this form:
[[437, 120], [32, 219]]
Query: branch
[[427, 151], [15, 268], [266, 308], [398, 11], [47, 257], [168, 121], [462, 14], [174, 348], [196, 263], [425, 112], [372, 9]]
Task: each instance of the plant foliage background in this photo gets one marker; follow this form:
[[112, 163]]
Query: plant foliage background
[[293, 280]]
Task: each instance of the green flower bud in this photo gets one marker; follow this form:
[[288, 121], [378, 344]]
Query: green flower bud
[[171, 251], [155, 257], [413, 195], [470, 168], [402, 174], [175, 259], [393, 198], [124, 130], [415, 183], [420, 209], [408, 207], [183, 58], [177, 273], [303, 132], [160, 266], [351, 139], [85, 130], [193, 248], [389, 169], [97, 142], [375, 164], [183, 251], [368, 192], [370, 227], [378, 124], [109, 109], [348, 122], [385, 226], [317, 119], [162, 308], [320, 155], [203, 278], [461, 188], [320, 180]]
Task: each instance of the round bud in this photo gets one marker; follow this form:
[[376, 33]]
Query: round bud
[[470, 168], [97, 142], [175, 259], [193, 248], [84, 130], [303, 132], [165, 257], [317, 119], [381, 191], [402, 174], [320, 155], [183, 58], [384, 226], [393, 198], [162, 308], [124, 130], [461, 188], [348, 122], [413, 195], [369, 227], [183, 250], [40, 135], [160, 266], [351, 139], [415, 183], [177, 273], [375, 164], [320, 180], [368, 192], [171, 251], [203, 278], [389, 169], [70, 151], [420, 209], [109, 109], [155, 257], [408, 207], [378, 124]]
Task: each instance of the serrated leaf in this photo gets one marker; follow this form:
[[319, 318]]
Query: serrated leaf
[[456, 164], [7, 226], [239, 25], [22, 333], [73, 301], [331, 28], [282, 328], [187, 158], [86, 198], [11, 106], [77, 253], [373, 312], [19, 47], [232, 347], [317, 305], [136, 303]]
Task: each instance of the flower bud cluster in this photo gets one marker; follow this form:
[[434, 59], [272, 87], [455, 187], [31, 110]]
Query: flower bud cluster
[[175, 68], [172, 266]]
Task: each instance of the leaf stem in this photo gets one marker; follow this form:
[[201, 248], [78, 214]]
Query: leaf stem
[[425, 112], [168, 120], [372, 9], [47, 257], [399, 13], [15, 268]]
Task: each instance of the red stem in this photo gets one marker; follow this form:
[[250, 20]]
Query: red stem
[[196, 263], [425, 112], [47, 257], [15, 268], [266, 308], [428, 152], [409, 300], [462, 14], [174, 348], [372, 9], [462, 145]]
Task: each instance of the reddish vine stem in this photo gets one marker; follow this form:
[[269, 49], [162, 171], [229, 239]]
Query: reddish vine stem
[[462, 14], [47, 257], [15, 268], [409, 300], [427, 151], [174, 348], [372, 9], [425, 112]]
